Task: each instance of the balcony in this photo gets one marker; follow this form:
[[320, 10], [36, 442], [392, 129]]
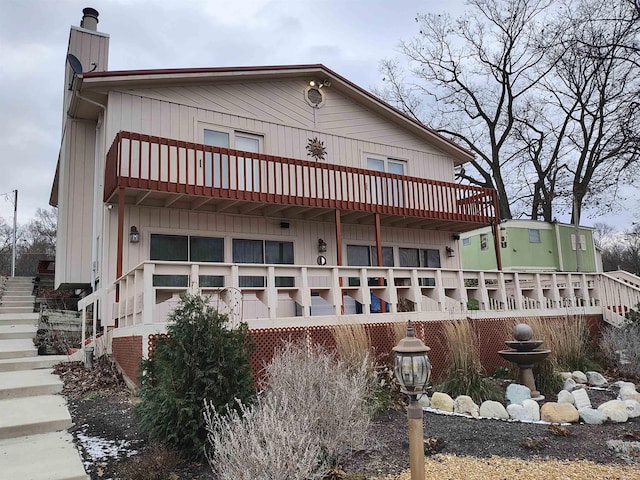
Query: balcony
[[165, 172]]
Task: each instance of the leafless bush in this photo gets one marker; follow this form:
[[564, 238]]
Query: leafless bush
[[621, 347], [332, 392], [313, 411], [264, 441]]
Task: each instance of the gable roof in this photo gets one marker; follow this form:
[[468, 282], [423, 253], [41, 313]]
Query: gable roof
[[158, 77]]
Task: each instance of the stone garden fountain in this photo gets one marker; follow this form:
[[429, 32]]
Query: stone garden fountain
[[525, 354]]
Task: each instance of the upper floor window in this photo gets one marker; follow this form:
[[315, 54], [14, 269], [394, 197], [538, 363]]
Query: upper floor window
[[466, 241], [582, 239], [243, 173], [386, 192], [534, 235]]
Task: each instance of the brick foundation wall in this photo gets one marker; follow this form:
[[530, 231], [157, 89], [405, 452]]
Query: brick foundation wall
[[127, 352]]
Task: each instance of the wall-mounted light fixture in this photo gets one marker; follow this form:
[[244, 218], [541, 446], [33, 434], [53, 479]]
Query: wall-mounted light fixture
[[134, 234], [450, 252], [322, 245], [455, 236]]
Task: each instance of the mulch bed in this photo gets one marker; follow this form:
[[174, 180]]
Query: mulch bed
[[102, 407]]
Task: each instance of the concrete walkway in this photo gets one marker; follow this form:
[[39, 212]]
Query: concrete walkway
[[34, 443]]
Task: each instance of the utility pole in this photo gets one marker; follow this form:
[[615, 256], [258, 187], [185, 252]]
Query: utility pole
[[15, 227]]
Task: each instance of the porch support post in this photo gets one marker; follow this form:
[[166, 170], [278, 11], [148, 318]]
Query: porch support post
[[383, 307], [339, 239], [120, 234]]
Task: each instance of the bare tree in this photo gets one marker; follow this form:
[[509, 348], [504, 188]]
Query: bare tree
[[544, 95], [593, 93], [476, 70]]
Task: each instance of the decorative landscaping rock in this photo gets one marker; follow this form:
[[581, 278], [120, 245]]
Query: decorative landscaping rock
[[516, 393], [579, 377], [533, 409], [629, 393], [424, 401], [615, 410], [565, 397], [570, 385], [493, 409], [581, 398], [564, 375], [517, 412], [619, 384], [465, 404], [559, 413], [633, 408], [595, 379], [442, 401], [592, 416]]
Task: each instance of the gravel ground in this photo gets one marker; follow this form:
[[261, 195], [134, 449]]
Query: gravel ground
[[467, 448]]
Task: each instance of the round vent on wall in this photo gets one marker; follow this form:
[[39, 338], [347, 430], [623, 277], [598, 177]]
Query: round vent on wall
[[314, 96]]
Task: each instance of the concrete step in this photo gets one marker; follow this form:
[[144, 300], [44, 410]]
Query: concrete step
[[28, 383], [14, 310], [31, 363], [17, 302], [33, 415], [29, 318], [18, 348], [8, 332], [50, 456]]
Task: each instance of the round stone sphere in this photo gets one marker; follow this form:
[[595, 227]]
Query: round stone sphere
[[522, 332]]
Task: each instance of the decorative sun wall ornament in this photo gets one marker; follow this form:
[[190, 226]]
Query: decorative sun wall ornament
[[315, 148]]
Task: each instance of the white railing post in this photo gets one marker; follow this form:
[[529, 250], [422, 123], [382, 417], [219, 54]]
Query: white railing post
[[462, 290], [502, 288], [304, 294], [391, 291], [194, 279], [442, 299], [336, 291], [416, 290], [555, 292], [148, 300], [518, 290], [484, 293], [272, 293], [365, 292]]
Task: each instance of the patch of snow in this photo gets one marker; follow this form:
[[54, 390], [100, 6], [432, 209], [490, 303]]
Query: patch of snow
[[99, 448]]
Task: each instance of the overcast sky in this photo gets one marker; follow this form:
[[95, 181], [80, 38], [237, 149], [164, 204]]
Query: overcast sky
[[348, 36]]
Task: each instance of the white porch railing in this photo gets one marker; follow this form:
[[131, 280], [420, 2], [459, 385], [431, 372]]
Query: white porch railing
[[147, 293]]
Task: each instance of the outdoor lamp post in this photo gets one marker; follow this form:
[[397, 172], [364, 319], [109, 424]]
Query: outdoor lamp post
[[412, 369]]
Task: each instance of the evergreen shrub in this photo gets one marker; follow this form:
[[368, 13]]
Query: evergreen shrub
[[201, 358]]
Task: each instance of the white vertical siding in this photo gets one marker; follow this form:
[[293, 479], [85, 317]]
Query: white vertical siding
[[183, 113], [75, 201]]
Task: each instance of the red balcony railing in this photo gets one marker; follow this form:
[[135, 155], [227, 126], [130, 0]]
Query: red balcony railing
[[162, 164]]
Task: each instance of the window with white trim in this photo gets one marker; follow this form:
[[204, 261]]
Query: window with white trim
[[245, 172], [583, 242], [386, 192], [484, 241]]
